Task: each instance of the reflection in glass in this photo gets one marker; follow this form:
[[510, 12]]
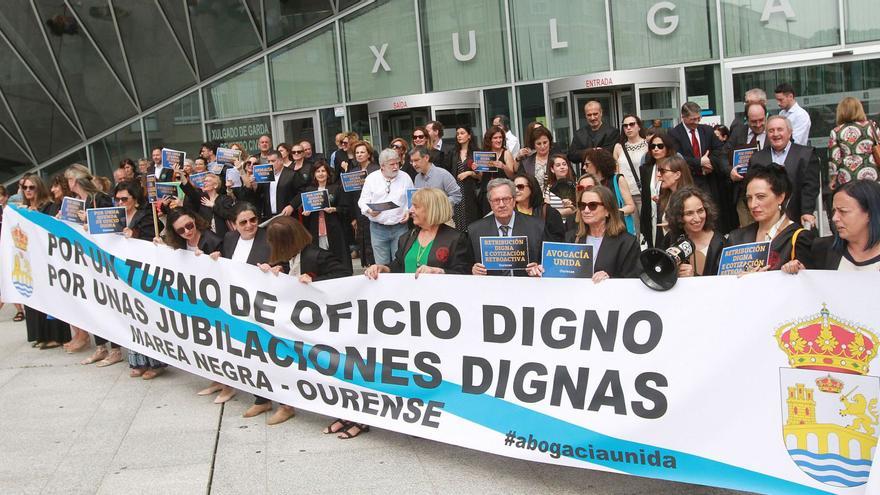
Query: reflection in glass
[[176, 126], [748, 32], [497, 103], [98, 20], [330, 126], [12, 161], [108, 152], [176, 14], [531, 108], [157, 65], [222, 33], [99, 99], [304, 75], [861, 21], [58, 166], [243, 92], [358, 120], [288, 17]]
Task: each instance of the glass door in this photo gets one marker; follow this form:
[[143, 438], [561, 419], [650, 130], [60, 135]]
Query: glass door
[[659, 104], [616, 102], [399, 124], [293, 128], [452, 117], [560, 124]]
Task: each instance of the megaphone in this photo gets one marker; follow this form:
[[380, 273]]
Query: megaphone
[[660, 268]]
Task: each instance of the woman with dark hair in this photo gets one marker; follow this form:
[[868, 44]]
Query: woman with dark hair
[[59, 189], [461, 163], [432, 246], [129, 167], [291, 251], [538, 164], [560, 189], [615, 251], [530, 201], [326, 225], [138, 216], [855, 243], [722, 132], [660, 146], [693, 215], [495, 140], [600, 163], [186, 230], [400, 146], [629, 153], [767, 192], [213, 207], [284, 149], [360, 224]]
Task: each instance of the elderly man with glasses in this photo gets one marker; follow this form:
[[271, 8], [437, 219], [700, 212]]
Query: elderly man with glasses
[[383, 202]]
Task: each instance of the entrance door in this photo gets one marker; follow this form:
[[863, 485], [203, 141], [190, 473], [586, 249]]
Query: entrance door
[[659, 104], [293, 128], [616, 102], [454, 117], [400, 124]]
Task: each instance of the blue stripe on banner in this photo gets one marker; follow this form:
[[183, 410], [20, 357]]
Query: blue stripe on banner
[[838, 479], [488, 411], [835, 457], [838, 469]]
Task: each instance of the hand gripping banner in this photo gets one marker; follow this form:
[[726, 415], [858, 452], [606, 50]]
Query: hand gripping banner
[[765, 383]]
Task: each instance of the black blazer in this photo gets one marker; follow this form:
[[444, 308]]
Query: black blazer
[[713, 255], [259, 251], [285, 194], [321, 264], [739, 136], [586, 138], [452, 246], [220, 213], [618, 256], [210, 242], [523, 225], [802, 167], [780, 247], [823, 256], [443, 156], [142, 224], [554, 227], [708, 141]]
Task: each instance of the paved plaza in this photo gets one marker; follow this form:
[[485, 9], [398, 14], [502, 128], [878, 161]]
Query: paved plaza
[[75, 429]]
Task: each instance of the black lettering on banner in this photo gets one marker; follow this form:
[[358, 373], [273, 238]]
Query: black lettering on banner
[[316, 319], [379, 317], [334, 314], [470, 364], [490, 335], [425, 362], [652, 394], [655, 332], [610, 380], [365, 366], [539, 387], [390, 365], [434, 311], [605, 334], [575, 390], [566, 331]]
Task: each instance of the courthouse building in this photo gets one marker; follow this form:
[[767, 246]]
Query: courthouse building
[[94, 81]]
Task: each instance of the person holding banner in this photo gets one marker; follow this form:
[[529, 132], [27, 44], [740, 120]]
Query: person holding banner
[[189, 231], [855, 243], [82, 186], [529, 201], [432, 246], [694, 215], [461, 163], [291, 251], [767, 191], [326, 226], [383, 201], [615, 251]]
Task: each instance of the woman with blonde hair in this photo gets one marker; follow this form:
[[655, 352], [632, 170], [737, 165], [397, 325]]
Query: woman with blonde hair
[[853, 147]]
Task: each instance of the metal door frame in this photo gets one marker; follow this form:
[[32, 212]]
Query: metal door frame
[[278, 126]]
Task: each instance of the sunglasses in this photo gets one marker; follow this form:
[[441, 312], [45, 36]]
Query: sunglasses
[[662, 171], [627, 125], [188, 226], [520, 187], [344, 142], [297, 152], [656, 146], [29, 188], [123, 199], [397, 146], [251, 220], [418, 136], [592, 205]]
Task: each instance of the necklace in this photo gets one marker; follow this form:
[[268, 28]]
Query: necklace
[[422, 250]]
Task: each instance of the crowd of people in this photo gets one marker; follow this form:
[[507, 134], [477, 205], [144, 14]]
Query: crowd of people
[[619, 190]]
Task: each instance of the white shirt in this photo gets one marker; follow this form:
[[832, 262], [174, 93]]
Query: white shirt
[[509, 224], [694, 132], [296, 265], [242, 250], [273, 189], [800, 123], [779, 157], [761, 138], [512, 142], [378, 189]]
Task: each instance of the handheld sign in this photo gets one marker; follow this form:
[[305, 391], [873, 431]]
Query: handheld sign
[[743, 258], [409, 195], [106, 220], [740, 159], [216, 168], [70, 207], [264, 173], [198, 179], [315, 200], [151, 189], [482, 159], [353, 181], [228, 155], [168, 190], [172, 158], [504, 253], [380, 207], [565, 260]]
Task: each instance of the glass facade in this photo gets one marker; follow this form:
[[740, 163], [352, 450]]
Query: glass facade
[[102, 80]]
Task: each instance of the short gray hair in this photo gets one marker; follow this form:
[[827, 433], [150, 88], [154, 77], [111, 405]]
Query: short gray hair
[[757, 94], [385, 155], [690, 108], [421, 150], [500, 182], [780, 117]]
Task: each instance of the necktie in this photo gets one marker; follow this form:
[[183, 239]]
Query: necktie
[[695, 145], [754, 140], [505, 229], [322, 224]]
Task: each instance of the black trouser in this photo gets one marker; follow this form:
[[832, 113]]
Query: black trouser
[[99, 341], [259, 401]]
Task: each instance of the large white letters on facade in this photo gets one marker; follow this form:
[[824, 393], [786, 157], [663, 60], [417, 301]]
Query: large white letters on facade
[[554, 37], [774, 6], [379, 53], [670, 22], [472, 47]]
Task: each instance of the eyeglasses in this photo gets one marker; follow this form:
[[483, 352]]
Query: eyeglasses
[[297, 152], [251, 220], [627, 125], [188, 226], [397, 146], [499, 201], [123, 199], [591, 205], [418, 136], [29, 188], [520, 187], [656, 146], [662, 171]]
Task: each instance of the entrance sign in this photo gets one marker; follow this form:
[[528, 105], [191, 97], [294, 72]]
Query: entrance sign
[[682, 385]]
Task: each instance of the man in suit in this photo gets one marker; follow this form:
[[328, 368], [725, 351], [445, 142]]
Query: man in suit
[[801, 165], [739, 127], [752, 135], [595, 135], [309, 153], [442, 149], [505, 222], [703, 152], [278, 196]]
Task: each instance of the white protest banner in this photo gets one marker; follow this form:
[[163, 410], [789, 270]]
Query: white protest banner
[[760, 383]]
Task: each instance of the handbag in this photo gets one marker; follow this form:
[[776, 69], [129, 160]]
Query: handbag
[[627, 219]]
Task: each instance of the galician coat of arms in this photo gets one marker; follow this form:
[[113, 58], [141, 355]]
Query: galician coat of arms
[[830, 403]]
